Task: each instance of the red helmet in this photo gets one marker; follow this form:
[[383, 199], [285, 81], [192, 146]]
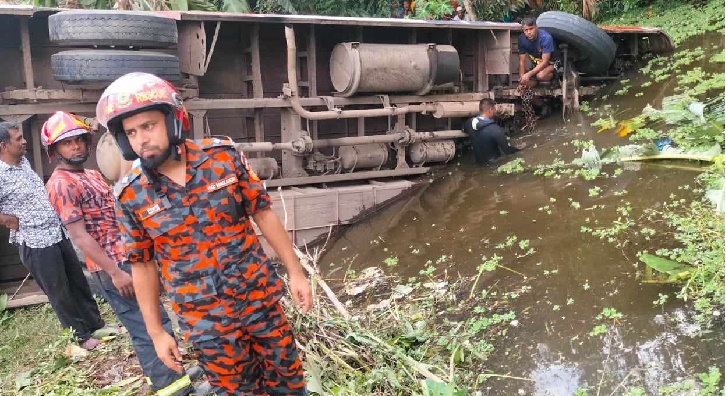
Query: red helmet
[[135, 93], [62, 125]]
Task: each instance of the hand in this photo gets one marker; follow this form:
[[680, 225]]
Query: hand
[[93, 123], [528, 83], [168, 351], [301, 292], [123, 282], [10, 222], [526, 76]]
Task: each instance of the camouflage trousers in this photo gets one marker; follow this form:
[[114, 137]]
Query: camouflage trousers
[[260, 359]]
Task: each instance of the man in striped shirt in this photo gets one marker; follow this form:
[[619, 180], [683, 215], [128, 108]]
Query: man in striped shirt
[[44, 248]]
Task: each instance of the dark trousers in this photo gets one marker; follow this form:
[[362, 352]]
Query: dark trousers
[[59, 274], [128, 312]]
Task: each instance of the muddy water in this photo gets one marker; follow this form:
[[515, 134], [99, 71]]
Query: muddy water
[[467, 210]]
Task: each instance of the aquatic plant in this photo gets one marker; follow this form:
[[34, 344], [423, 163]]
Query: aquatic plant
[[512, 167]]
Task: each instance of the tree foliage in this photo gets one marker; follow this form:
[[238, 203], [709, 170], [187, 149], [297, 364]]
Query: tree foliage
[[485, 10]]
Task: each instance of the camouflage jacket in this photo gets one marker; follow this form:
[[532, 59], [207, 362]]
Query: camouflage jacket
[[212, 265]]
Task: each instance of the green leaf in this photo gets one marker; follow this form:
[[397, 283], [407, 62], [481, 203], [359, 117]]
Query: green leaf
[[360, 339], [235, 6], [403, 290], [3, 302], [313, 378], [435, 388], [664, 265], [179, 5], [23, 379], [201, 5], [287, 6], [458, 354]]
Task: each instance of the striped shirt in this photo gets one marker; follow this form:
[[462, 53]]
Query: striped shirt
[[23, 195]]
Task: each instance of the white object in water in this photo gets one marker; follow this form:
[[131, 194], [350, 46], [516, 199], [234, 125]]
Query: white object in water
[[697, 109], [591, 158]]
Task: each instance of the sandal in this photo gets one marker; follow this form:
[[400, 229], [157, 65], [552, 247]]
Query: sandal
[[106, 331]]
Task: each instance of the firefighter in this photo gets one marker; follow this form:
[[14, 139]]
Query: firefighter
[[85, 205], [187, 205]]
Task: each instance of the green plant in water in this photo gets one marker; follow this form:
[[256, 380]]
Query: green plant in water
[[707, 384], [512, 167], [609, 313], [662, 299], [598, 330], [509, 242], [635, 392], [622, 91], [711, 381], [698, 260], [605, 123], [488, 265], [391, 261]]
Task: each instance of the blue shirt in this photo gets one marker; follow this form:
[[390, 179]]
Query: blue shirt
[[543, 44], [479, 122]]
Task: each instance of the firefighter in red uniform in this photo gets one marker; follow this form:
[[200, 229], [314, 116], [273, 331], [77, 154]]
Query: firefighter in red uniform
[[186, 205]]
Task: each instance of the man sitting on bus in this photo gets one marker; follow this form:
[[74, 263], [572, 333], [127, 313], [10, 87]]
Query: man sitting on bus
[[539, 59]]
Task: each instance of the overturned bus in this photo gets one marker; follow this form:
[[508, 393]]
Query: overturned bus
[[338, 115]]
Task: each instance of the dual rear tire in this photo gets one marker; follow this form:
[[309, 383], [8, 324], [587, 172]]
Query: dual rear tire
[[127, 37]]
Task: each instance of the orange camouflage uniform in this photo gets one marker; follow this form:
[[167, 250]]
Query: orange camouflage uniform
[[84, 195], [220, 282]]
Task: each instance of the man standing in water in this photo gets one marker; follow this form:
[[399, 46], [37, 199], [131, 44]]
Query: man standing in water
[[188, 207], [486, 135], [44, 248], [85, 204]]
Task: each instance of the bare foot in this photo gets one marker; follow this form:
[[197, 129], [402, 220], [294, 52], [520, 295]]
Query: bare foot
[[90, 344]]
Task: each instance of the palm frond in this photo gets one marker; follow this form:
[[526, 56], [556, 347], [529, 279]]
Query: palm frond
[[588, 9]]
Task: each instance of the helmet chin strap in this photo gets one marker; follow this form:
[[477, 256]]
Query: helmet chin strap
[[73, 161]]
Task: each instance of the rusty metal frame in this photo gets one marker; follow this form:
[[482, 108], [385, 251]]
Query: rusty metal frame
[[257, 88], [192, 48], [78, 95], [294, 181], [27, 57], [290, 130], [217, 104]]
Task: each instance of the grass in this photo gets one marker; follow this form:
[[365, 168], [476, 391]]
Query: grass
[[28, 329], [33, 359], [680, 20]]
